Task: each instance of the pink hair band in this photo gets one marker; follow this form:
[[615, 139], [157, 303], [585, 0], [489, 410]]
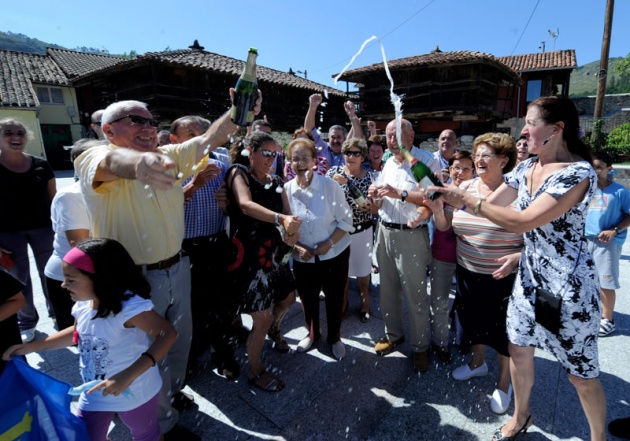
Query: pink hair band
[[79, 259]]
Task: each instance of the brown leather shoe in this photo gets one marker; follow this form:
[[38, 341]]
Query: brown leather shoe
[[384, 346], [420, 361]]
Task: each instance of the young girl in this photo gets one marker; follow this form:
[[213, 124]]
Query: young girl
[[119, 335]]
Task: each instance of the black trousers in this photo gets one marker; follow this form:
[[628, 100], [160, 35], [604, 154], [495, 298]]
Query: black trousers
[[213, 305], [61, 303], [330, 277]]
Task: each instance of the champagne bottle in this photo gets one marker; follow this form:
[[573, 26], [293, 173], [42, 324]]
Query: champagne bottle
[[356, 194], [423, 174], [242, 113]]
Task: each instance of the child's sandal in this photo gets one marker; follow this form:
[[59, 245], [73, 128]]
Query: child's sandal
[[266, 381]]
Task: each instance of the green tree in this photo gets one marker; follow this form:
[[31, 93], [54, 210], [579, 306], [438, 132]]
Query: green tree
[[132, 54], [622, 67], [618, 140]]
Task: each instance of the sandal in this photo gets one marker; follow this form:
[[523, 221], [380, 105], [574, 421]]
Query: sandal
[[266, 381], [499, 436], [279, 343]]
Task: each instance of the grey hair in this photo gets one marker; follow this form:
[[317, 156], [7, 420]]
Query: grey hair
[[338, 127], [118, 108]]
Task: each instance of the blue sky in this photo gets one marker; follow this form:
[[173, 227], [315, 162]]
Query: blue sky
[[322, 36]]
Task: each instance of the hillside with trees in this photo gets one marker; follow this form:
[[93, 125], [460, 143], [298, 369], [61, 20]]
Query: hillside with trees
[[584, 79], [12, 41]]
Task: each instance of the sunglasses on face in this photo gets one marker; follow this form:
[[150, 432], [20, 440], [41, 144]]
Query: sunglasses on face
[[353, 153], [138, 120], [268, 153]]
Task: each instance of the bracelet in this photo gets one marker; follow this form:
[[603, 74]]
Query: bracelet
[[354, 117], [463, 208], [277, 219], [332, 244], [146, 354], [477, 206]]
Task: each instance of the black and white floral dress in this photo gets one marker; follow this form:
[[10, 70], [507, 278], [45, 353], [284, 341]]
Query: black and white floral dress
[[556, 257]]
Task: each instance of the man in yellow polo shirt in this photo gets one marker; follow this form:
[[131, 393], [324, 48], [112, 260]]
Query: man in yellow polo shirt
[[133, 192]]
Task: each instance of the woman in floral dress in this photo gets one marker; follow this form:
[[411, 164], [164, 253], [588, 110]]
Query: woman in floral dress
[[554, 190]]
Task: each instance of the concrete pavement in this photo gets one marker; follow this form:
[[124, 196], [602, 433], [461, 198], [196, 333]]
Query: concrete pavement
[[367, 397]]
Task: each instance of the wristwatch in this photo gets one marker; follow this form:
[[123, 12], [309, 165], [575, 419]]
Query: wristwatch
[[404, 195], [617, 230]]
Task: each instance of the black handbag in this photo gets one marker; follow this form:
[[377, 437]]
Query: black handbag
[[548, 310]]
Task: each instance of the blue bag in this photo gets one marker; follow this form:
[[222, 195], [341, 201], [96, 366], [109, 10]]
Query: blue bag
[[35, 406]]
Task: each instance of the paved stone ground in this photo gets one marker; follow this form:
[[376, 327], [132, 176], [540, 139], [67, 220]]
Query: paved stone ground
[[366, 397]]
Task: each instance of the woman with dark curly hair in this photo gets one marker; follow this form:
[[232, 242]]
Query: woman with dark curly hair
[[264, 231]]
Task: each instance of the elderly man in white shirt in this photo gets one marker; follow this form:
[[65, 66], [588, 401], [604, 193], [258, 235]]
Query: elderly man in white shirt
[[403, 252]]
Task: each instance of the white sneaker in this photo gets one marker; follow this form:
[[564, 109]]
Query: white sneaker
[[339, 350], [464, 372], [500, 401], [28, 335], [304, 344]]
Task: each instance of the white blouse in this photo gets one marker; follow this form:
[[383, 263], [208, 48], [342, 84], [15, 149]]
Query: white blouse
[[322, 206]]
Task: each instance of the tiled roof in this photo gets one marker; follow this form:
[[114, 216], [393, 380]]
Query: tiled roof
[[541, 61], [75, 64], [18, 70], [192, 58], [436, 57]]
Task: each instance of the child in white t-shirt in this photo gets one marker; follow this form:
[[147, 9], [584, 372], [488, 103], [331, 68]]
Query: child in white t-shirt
[[120, 339]]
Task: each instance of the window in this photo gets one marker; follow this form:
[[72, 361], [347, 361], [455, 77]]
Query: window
[[50, 95], [534, 89]]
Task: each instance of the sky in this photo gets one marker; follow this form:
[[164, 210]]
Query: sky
[[320, 37]]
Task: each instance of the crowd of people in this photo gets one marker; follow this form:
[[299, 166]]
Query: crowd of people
[[126, 253]]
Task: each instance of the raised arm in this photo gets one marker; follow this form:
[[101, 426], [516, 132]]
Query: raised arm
[[313, 103], [351, 111], [221, 130]]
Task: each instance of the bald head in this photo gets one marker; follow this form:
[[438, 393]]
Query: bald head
[[406, 136]]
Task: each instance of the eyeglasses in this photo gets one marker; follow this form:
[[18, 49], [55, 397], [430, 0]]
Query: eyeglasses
[[353, 153], [301, 159], [137, 120], [268, 153], [98, 123], [459, 169], [485, 156]]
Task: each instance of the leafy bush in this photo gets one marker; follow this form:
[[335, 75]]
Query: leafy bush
[[618, 139]]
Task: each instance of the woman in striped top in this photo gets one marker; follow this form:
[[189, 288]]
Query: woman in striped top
[[487, 258]]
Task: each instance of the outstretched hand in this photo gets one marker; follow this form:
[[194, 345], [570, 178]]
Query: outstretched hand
[[154, 169]]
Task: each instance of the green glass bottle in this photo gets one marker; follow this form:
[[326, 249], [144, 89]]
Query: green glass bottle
[[242, 113], [423, 174], [356, 194]]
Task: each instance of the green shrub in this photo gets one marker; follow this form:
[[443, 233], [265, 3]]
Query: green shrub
[[618, 140]]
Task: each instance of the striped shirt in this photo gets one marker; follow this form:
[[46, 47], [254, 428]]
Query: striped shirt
[[479, 241]]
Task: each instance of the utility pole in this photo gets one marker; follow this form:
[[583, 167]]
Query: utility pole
[[603, 73]]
